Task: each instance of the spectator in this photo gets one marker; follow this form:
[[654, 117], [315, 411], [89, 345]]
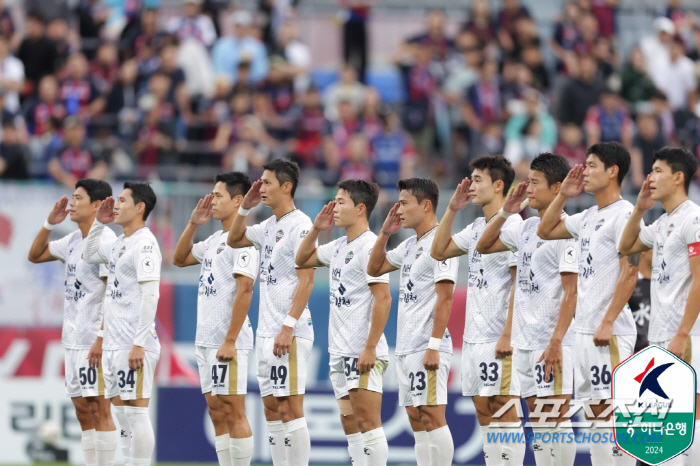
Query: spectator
[[160, 85], [507, 17], [608, 121], [145, 34], [307, 144], [229, 130], [78, 92], [483, 103], [58, 31], [338, 133], [522, 150], [534, 108], [14, 156], [480, 24], [566, 36], [11, 76], [282, 112], [347, 88], [358, 164], [122, 101], [356, 16], [155, 141], [253, 150], [371, 124], [92, 17], [646, 142], [580, 92], [662, 111], [588, 33], [636, 84], [229, 51], [532, 58], [193, 24], [104, 69], [526, 35], [434, 38], [571, 145], [7, 26], [37, 52], [677, 80], [297, 54], [41, 109], [394, 155], [607, 60], [657, 48], [605, 12], [74, 161]]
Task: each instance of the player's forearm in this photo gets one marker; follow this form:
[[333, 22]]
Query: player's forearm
[[241, 305], [490, 235], [147, 311], [623, 292], [39, 246], [690, 314], [631, 232], [236, 235], [380, 315], [92, 246], [302, 295], [184, 245], [443, 235], [566, 315], [443, 307], [378, 254], [551, 217], [307, 247]]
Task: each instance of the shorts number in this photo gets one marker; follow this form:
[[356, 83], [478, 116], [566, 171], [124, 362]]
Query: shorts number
[[351, 366], [278, 373], [599, 376], [215, 375], [539, 377], [484, 371], [88, 375], [125, 378], [417, 380]]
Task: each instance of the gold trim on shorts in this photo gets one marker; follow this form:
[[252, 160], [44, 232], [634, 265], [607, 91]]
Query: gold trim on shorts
[[139, 383], [432, 388], [293, 376], [506, 375], [100, 381], [614, 352], [233, 375]]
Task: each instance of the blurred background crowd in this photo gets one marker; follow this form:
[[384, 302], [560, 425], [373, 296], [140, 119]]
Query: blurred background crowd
[[180, 90]]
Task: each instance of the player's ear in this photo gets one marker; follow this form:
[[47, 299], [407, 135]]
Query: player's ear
[[287, 187], [498, 186], [360, 209], [238, 200]]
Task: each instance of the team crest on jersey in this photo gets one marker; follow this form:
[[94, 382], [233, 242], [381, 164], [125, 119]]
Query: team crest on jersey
[[70, 251], [671, 227], [599, 224], [583, 227], [419, 252], [221, 247], [696, 221], [349, 257], [122, 251], [539, 243], [279, 235]]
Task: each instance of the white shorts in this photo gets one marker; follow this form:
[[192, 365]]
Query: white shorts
[[125, 383], [222, 378], [420, 387], [345, 376], [285, 376], [595, 364], [81, 379], [532, 378], [691, 356], [484, 375]]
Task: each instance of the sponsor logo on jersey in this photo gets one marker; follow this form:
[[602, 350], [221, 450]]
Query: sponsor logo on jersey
[[349, 257], [303, 233], [147, 249], [696, 221], [336, 274], [279, 235], [662, 276], [208, 263], [587, 271], [270, 280], [477, 280], [534, 288], [585, 243]]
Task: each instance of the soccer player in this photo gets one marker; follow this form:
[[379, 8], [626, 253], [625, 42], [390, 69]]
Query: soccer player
[[360, 307], [545, 302], [82, 316], [605, 331], [224, 336], [675, 240], [486, 352], [285, 333], [423, 343], [131, 346]]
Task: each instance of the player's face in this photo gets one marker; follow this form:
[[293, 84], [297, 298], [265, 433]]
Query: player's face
[[595, 176], [222, 206], [80, 206], [344, 212], [271, 190], [481, 187], [124, 209], [539, 192], [410, 210], [662, 182]]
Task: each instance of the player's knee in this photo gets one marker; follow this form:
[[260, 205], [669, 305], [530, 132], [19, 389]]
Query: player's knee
[[430, 420], [216, 414]]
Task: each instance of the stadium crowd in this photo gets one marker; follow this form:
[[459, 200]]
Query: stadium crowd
[[128, 92]]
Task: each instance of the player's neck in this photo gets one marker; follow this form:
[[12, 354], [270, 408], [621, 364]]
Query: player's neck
[[85, 225], [607, 195], [132, 227], [674, 200], [428, 223], [492, 207], [356, 229], [227, 222], [283, 208]]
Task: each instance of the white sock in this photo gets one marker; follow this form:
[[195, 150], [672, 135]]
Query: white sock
[[124, 433], [297, 442], [277, 450], [376, 447], [356, 449], [142, 439], [543, 452], [105, 447], [492, 449], [513, 453], [601, 452], [222, 443], [563, 446], [88, 444], [422, 448], [241, 451], [442, 447]]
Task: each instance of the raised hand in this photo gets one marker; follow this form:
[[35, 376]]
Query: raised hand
[[59, 211], [644, 200], [202, 213], [573, 183], [461, 196], [514, 200], [253, 196], [324, 219], [392, 224], [105, 214]]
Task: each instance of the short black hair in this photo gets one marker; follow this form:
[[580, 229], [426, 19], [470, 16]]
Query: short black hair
[[422, 189], [97, 190], [554, 166], [285, 171], [142, 192], [237, 183], [361, 192], [499, 168], [612, 153], [680, 160]]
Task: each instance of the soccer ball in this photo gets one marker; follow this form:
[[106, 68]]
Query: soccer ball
[[49, 432]]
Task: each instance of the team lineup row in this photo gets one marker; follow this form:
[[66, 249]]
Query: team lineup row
[[537, 289]]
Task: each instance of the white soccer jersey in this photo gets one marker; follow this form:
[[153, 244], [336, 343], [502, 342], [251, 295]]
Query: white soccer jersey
[[85, 290], [675, 237], [417, 295], [217, 289], [489, 285], [278, 242], [131, 261], [539, 290], [598, 232], [351, 299]]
